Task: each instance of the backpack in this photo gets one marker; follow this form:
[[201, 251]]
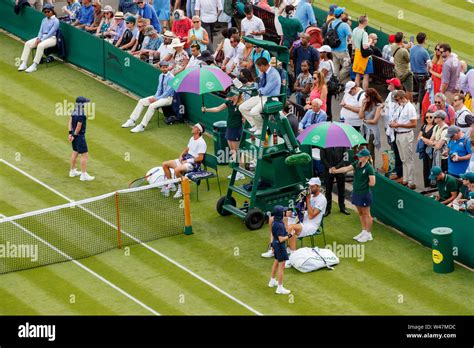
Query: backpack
[[332, 38], [334, 86], [324, 28]]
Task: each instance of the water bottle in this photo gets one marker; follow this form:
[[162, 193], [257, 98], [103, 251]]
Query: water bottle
[[150, 58]]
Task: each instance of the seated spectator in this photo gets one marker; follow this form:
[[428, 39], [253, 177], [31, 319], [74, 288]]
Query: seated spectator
[[231, 63], [370, 112], [189, 160], [461, 113], [246, 62], [46, 38], [319, 90], [85, 16], [163, 97], [198, 35], [128, 6], [207, 58], [351, 103], [459, 203], [224, 48], [116, 30], [438, 141], [195, 54], [149, 50], [71, 10], [303, 83], [165, 52], [459, 151], [180, 57], [181, 26], [373, 39], [127, 40], [425, 134], [305, 52], [106, 21], [139, 37], [147, 11], [252, 25], [305, 14], [447, 185], [313, 115], [441, 103], [387, 49], [291, 27], [98, 14]]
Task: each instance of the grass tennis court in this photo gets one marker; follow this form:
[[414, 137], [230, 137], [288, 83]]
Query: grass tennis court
[[221, 270], [442, 20]]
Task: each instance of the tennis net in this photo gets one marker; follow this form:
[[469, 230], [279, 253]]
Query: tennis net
[[88, 227]]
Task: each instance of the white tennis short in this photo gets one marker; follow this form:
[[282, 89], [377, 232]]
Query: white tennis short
[[308, 229], [189, 166]]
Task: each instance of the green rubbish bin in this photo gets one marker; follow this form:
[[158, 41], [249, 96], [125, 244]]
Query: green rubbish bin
[[442, 254], [221, 148]]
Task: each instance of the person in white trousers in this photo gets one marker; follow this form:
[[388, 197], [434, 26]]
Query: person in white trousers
[[46, 38], [163, 97]]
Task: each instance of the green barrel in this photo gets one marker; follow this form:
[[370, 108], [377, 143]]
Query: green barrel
[[221, 148], [442, 254]]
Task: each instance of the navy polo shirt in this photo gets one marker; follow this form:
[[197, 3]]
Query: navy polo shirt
[[278, 229], [78, 116], [310, 54]]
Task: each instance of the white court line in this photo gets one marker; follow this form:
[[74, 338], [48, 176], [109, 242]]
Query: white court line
[[215, 287], [87, 269]]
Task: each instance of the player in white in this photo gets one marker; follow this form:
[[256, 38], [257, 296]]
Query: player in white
[[190, 160]]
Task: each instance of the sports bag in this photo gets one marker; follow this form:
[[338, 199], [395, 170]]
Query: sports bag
[[311, 259]]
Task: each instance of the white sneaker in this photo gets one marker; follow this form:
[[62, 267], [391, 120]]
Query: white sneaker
[[74, 172], [165, 190], [172, 187], [178, 194], [358, 236], [22, 66], [272, 283], [257, 132], [282, 291], [137, 129], [33, 67], [86, 177], [129, 123], [253, 129], [365, 237], [288, 264], [240, 176], [268, 254]]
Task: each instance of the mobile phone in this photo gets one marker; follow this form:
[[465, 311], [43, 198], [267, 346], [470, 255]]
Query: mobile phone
[[412, 39]]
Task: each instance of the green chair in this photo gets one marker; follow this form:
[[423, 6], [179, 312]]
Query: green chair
[[209, 162], [319, 231]]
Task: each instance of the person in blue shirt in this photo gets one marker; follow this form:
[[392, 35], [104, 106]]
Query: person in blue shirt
[[459, 151], [163, 11], [77, 138], [313, 115], [419, 58], [85, 16], [278, 224], [46, 38], [128, 6], [147, 11], [163, 97], [305, 14], [341, 58]]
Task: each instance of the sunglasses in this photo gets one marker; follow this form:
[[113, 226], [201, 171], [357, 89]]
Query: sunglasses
[[429, 117], [437, 102], [397, 99], [441, 51], [196, 22], [457, 99], [47, 11]]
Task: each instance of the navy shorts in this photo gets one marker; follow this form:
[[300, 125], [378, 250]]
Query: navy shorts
[[279, 250], [79, 144], [362, 200], [233, 134]]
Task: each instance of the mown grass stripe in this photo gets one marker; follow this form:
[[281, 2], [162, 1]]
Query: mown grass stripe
[[468, 7], [12, 303]]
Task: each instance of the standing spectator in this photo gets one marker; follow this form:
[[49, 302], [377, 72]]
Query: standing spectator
[[194, 59], [370, 114], [303, 84], [106, 22], [360, 39], [326, 66], [147, 11], [401, 59], [447, 186], [419, 59], [426, 132], [163, 11], [468, 86], [180, 57], [461, 112], [451, 70], [387, 49], [341, 58], [462, 74], [181, 27], [434, 86], [227, 13], [373, 39], [313, 115], [86, 15], [231, 63], [331, 16], [364, 179], [128, 6], [163, 97], [319, 90], [459, 151], [405, 122], [209, 11], [258, 52], [252, 25], [438, 140], [305, 52], [350, 105], [71, 10], [305, 14], [46, 38], [198, 35], [98, 14], [290, 26], [333, 157], [389, 114], [127, 40], [441, 103]]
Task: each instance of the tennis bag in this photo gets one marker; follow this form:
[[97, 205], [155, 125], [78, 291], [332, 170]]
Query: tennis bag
[[157, 175], [311, 259]]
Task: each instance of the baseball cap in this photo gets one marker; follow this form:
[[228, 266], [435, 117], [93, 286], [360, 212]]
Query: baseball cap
[[332, 8], [325, 48], [130, 19], [435, 171], [440, 114], [164, 63], [349, 86], [339, 11], [314, 181], [149, 29], [394, 81], [363, 153], [82, 100], [452, 130], [48, 7], [279, 210], [468, 176], [391, 38]]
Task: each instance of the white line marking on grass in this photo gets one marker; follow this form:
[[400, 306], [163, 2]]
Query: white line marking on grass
[[87, 269], [177, 264]]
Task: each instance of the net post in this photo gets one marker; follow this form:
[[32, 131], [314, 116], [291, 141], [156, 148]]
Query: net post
[[117, 209], [188, 228]]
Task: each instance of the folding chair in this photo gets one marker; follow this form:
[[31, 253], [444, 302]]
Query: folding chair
[[209, 162], [319, 231]]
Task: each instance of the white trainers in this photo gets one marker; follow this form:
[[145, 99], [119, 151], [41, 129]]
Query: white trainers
[[74, 172], [268, 254], [288, 264], [172, 187], [22, 66], [282, 291], [178, 194], [240, 176], [272, 283], [165, 190], [253, 129], [365, 237], [257, 132], [129, 123], [86, 177], [358, 236], [137, 129], [33, 67]]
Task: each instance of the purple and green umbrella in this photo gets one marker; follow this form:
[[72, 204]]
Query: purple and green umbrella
[[331, 134], [201, 80]]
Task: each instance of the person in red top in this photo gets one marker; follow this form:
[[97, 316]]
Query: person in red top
[[436, 68], [181, 26]]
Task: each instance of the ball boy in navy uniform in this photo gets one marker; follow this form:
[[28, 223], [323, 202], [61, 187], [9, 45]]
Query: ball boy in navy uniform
[[280, 236], [77, 136]]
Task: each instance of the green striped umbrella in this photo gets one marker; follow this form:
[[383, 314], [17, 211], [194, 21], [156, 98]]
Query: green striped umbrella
[[331, 134], [201, 80]]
